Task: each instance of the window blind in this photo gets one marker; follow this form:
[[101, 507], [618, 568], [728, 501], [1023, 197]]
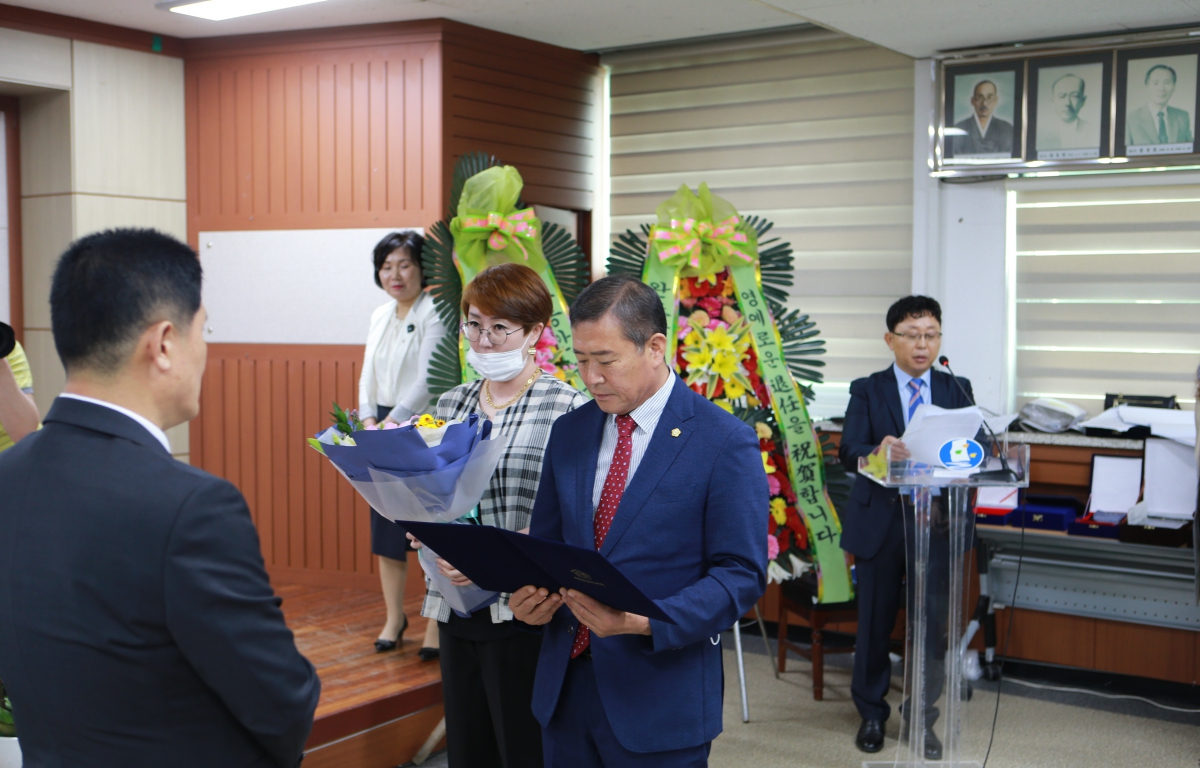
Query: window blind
[[808, 128], [1108, 293]]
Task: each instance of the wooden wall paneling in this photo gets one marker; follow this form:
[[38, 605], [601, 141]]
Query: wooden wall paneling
[[1162, 653], [532, 105], [1052, 638], [329, 139], [258, 404]]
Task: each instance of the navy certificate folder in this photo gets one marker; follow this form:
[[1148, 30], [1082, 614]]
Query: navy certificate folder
[[504, 561]]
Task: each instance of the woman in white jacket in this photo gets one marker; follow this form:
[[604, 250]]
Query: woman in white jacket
[[402, 337]]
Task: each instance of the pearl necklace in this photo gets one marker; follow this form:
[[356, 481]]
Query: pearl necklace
[[487, 391]]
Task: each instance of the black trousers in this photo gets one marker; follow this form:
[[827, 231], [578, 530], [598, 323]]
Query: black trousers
[[487, 685], [880, 579]]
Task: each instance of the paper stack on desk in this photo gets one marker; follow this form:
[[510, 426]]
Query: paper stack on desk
[[1179, 426], [1169, 500]]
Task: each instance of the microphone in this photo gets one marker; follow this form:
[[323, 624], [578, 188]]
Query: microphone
[[1006, 472]]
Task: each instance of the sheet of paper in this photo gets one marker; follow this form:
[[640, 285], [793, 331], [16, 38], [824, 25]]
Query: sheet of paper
[[1116, 483], [931, 426], [996, 497], [1179, 426], [1170, 479], [1002, 422]]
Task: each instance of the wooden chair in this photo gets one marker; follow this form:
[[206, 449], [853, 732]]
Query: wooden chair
[[799, 597]]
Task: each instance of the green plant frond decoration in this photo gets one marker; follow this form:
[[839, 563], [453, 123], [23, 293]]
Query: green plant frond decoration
[[445, 371], [800, 346], [467, 166], [627, 256], [445, 284], [567, 261]]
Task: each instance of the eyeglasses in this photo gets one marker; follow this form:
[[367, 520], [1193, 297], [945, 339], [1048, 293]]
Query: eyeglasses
[[913, 338], [496, 335]]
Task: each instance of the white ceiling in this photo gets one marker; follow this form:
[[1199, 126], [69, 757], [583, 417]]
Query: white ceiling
[[586, 25], [921, 27], [914, 27]]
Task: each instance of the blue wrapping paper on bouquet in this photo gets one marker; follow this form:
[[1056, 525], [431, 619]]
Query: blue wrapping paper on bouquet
[[406, 478]]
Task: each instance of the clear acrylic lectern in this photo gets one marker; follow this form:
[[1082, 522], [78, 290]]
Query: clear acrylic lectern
[[942, 542]]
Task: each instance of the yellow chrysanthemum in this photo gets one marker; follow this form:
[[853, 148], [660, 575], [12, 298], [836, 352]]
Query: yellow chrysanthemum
[[734, 389], [779, 510]]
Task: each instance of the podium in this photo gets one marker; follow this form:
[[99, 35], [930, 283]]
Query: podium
[[939, 530]]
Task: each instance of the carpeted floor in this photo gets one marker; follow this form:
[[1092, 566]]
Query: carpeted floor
[[1035, 728]]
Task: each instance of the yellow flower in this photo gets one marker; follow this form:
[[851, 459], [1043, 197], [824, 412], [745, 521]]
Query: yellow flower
[[767, 467], [711, 279], [725, 364], [427, 421], [734, 389], [719, 338], [700, 359], [698, 319], [779, 510], [693, 339], [725, 404], [752, 401], [762, 430]]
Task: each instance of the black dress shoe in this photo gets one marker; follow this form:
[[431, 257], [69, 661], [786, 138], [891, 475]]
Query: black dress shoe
[[428, 654], [933, 746], [870, 736], [382, 645]]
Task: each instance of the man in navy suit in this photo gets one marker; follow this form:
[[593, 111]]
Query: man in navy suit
[[670, 489], [875, 519], [139, 627]]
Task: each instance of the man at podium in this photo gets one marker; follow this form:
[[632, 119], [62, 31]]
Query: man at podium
[[670, 489], [875, 520]]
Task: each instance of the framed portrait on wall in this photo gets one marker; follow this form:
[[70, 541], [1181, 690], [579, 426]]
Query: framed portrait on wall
[[1157, 94], [1069, 107], [982, 113]]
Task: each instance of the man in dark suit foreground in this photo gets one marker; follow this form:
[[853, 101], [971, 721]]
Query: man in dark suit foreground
[[876, 519], [670, 488], [139, 627]]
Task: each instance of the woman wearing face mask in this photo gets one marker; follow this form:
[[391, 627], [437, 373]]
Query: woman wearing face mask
[[488, 664], [402, 337]]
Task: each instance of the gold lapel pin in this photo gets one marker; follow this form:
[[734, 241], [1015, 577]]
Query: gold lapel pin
[[675, 432]]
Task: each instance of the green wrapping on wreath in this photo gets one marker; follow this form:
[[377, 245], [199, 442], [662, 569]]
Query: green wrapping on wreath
[[488, 224]]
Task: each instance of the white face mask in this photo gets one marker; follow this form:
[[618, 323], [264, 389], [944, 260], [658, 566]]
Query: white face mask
[[498, 366]]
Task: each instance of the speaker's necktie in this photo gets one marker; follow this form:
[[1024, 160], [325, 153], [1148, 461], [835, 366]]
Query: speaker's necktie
[[915, 399], [610, 499], [1162, 128]]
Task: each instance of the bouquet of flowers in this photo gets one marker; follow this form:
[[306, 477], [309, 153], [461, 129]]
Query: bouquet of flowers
[[427, 470]]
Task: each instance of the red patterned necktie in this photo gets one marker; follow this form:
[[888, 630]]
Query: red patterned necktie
[[610, 499]]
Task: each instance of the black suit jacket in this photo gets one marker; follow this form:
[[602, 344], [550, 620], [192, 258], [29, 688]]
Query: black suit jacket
[[137, 623], [874, 413]]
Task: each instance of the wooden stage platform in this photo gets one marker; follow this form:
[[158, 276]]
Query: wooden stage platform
[[376, 709]]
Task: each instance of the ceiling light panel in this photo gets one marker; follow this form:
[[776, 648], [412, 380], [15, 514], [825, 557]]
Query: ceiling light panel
[[219, 10]]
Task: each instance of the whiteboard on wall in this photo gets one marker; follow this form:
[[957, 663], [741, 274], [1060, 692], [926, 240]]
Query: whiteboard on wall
[[300, 286]]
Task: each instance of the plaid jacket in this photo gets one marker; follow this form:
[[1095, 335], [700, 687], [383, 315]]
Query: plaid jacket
[[508, 499]]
